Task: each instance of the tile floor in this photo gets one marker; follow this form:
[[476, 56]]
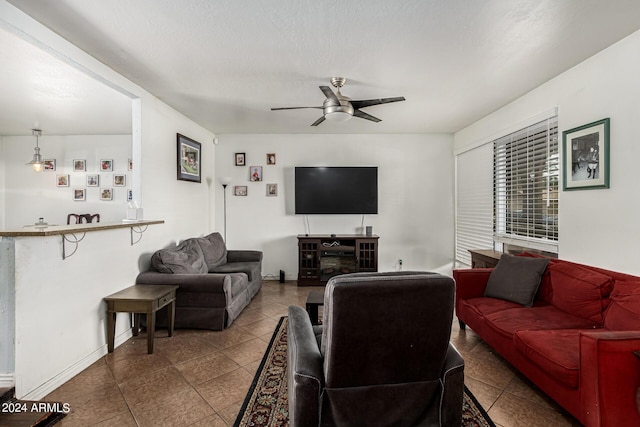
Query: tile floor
[[200, 378]]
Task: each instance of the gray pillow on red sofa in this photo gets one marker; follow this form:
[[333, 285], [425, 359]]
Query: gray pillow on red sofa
[[516, 279]]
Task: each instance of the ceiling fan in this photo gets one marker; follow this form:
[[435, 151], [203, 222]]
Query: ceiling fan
[[340, 108]]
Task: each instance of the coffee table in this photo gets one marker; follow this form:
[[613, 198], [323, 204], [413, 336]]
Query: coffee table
[[139, 299], [314, 300]]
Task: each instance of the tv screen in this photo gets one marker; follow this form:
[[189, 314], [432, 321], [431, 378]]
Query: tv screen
[[336, 190]]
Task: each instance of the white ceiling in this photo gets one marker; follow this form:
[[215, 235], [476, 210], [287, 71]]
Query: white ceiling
[[225, 63]]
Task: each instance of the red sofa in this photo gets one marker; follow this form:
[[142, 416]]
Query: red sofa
[[575, 342]]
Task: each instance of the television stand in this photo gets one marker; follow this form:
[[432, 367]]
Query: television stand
[[322, 256]]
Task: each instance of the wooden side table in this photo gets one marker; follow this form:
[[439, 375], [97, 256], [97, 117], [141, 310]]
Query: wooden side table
[[140, 299], [314, 300]]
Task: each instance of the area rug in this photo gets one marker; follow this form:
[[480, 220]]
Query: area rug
[[266, 402]]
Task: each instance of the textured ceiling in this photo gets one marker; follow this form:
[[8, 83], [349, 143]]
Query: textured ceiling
[[225, 63]]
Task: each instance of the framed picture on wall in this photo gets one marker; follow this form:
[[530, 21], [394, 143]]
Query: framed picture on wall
[[106, 194], [585, 150], [62, 180], [240, 159], [79, 194], [93, 180], [49, 165], [271, 158], [255, 173], [79, 165], [106, 165], [240, 190], [189, 159], [272, 190], [119, 180]]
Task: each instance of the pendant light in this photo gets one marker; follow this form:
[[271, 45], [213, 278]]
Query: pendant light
[[36, 163]]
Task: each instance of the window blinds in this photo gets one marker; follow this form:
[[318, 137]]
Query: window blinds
[[525, 186], [474, 201]]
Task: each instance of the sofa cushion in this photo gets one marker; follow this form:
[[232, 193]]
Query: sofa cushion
[[185, 258], [251, 269], [508, 322], [516, 279], [213, 249], [623, 313], [579, 291], [557, 352], [483, 306]]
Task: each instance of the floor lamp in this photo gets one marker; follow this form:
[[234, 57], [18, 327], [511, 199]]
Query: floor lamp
[[225, 181]]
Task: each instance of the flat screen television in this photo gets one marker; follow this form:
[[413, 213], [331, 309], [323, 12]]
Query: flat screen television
[[336, 190]]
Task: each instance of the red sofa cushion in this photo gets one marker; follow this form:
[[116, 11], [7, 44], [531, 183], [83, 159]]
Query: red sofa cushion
[[579, 291], [623, 313], [484, 305], [557, 352], [508, 322]]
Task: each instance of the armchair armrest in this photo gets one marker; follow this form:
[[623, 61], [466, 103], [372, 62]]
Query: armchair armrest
[[453, 393], [471, 282], [304, 369], [609, 377], [243, 256]]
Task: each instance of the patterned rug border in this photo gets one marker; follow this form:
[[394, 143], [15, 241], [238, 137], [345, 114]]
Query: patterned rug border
[[260, 373]]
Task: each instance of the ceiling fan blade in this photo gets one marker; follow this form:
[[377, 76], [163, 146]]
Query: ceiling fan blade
[[317, 122], [370, 102], [293, 108], [329, 94], [363, 115]]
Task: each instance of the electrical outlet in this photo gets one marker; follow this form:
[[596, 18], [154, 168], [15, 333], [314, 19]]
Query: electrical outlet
[[399, 264]]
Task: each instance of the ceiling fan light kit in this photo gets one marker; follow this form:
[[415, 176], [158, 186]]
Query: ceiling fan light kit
[[339, 108]]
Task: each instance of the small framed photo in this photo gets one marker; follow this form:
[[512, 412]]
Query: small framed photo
[[255, 173], [130, 164], [79, 194], [62, 180], [271, 158], [240, 190], [189, 159], [129, 195], [79, 165], [119, 180], [106, 193], [272, 190], [49, 165], [106, 165], [93, 180], [585, 150], [240, 159]]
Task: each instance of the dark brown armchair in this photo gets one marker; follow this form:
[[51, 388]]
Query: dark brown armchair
[[382, 356]]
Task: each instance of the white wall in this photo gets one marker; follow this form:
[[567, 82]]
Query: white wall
[[59, 313], [415, 182], [31, 195], [598, 227]]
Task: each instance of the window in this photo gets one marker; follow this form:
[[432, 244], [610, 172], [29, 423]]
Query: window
[[525, 186]]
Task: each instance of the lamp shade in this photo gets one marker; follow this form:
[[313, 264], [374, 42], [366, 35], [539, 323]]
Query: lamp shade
[[225, 180]]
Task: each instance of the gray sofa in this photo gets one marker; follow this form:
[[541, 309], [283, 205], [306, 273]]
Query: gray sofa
[[216, 284]]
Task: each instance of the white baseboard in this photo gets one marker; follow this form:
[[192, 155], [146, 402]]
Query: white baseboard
[[44, 389], [7, 380]]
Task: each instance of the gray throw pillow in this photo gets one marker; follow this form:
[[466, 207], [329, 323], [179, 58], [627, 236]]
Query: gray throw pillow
[[516, 279], [186, 258], [213, 249]]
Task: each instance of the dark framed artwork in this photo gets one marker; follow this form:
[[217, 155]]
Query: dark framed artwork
[[189, 159], [585, 150], [240, 159]]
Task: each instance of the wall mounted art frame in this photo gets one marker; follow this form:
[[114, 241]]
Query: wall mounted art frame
[[79, 165], [241, 159], [272, 190], [255, 173], [119, 180], [189, 159], [49, 165], [106, 193], [93, 180], [240, 190], [62, 180], [585, 150], [271, 158], [79, 194], [106, 165]]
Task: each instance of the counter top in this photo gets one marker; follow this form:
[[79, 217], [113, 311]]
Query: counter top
[[58, 230]]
